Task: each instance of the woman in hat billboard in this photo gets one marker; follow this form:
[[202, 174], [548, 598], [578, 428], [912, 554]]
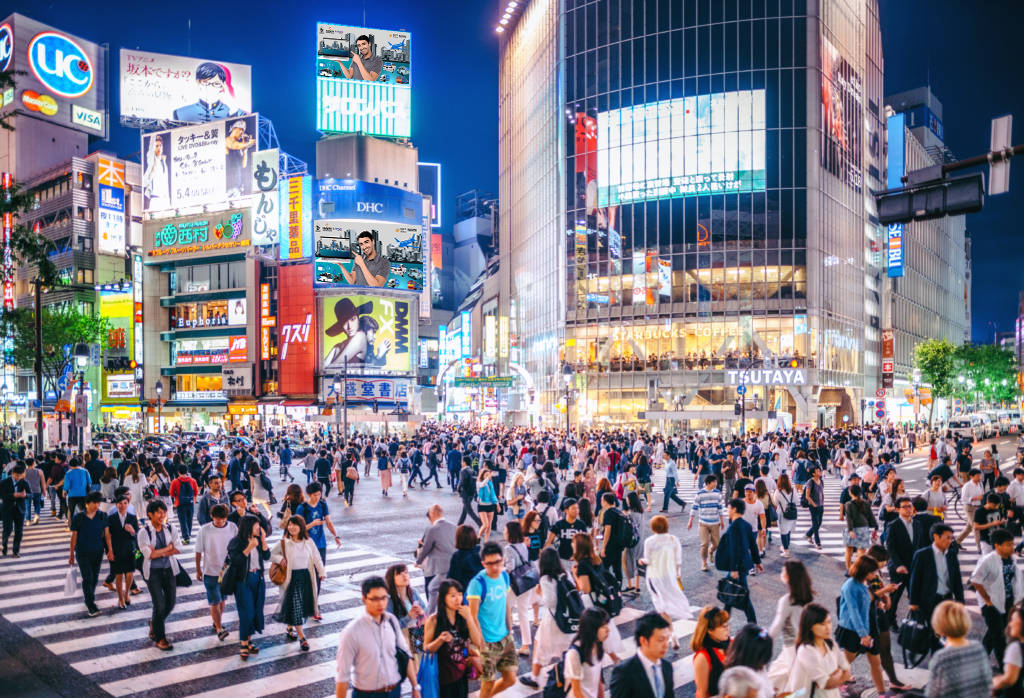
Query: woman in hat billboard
[[360, 329]]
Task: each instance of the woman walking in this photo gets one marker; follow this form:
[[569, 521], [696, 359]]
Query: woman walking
[[585, 655], [819, 668], [515, 497], [452, 633], [293, 497], [785, 507], [861, 526], [516, 556], [108, 484], [407, 606], [349, 479], [662, 554], [550, 642], [384, 470], [137, 484], [487, 503], [123, 529], [857, 634], [791, 606], [247, 553], [1010, 683], [297, 553], [710, 642], [634, 508], [465, 562]]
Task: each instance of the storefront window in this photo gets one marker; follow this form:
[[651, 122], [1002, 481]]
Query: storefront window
[[203, 386], [219, 313]]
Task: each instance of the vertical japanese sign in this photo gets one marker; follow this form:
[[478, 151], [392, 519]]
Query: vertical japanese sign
[[266, 321], [888, 358], [8, 266], [265, 202], [467, 334], [294, 231], [297, 330], [110, 218], [503, 336], [896, 167], [137, 315]]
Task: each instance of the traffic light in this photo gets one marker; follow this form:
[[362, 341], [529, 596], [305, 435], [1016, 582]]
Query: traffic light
[[736, 409], [933, 199]]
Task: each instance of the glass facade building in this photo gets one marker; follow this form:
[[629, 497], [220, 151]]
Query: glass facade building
[[713, 162]]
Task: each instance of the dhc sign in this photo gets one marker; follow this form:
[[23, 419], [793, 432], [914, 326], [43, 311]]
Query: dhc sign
[[894, 249], [60, 64]]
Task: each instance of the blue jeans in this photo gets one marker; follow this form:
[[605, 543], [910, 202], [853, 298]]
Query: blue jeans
[[185, 519], [250, 596], [34, 502]]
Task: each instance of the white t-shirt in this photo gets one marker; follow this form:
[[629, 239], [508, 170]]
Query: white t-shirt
[[753, 513], [1012, 656], [212, 542], [588, 674]]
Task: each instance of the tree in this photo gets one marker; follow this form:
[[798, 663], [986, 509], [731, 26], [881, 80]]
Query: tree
[[935, 358], [63, 327], [989, 373]]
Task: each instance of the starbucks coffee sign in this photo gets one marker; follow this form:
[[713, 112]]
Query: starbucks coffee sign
[[768, 376]]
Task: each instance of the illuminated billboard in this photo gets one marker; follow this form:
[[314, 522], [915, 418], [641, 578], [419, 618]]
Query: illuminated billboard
[[199, 165], [189, 236], [296, 334], [380, 254], [164, 90], [842, 118], [369, 334], [896, 167], [430, 185], [265, 213], [363, 80], [295, 229], [210, 350], [60, 77], [110, 217], [689, 146]]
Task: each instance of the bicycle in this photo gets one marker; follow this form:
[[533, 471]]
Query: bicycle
[[954, 501]]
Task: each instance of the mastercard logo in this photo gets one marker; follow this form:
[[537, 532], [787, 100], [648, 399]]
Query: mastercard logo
[[44, 104]]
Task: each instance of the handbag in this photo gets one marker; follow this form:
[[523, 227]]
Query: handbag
[[916, 638], [524, 577], [731, 593], [71, 583], [427, 676], [279, 570], [183, 578], [401, 656]]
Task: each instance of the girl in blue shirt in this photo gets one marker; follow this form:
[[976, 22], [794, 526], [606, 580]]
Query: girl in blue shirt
[[487, 503]]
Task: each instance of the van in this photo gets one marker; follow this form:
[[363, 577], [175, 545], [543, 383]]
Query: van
[[983, 426], [1009, 422], [961, 427]]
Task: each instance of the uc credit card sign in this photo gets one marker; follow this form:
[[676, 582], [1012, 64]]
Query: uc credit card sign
[[894, 249]]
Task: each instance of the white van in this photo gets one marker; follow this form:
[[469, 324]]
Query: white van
[[1009, 422], [986, 429], [962, 427]]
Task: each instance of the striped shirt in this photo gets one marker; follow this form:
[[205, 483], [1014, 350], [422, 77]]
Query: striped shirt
[[708, 505]]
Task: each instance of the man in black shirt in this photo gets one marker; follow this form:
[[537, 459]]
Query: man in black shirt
[[95, 466], [322, 468], [14, 492], [569, 525]]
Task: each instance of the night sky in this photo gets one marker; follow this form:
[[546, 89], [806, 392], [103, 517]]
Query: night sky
[[969, 52]]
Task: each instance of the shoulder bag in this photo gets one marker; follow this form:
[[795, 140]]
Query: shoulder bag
[[525, 576], [279, 570]]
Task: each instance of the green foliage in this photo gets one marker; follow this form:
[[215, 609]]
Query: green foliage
[[935, 359], [989, 372], [63, 327]]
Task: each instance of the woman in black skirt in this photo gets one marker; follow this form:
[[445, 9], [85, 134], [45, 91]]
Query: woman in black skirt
[[298, 554], [123, 528]]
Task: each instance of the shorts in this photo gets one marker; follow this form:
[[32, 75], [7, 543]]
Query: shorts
[[487, 508], [859, 538], [646, 488], [850, 641], [212, 585], [498, 657]]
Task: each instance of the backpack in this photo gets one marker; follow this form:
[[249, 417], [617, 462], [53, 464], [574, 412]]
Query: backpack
[[545, 525], [723, 554], [569, 605], [185, 493], [789, 512], [557, 685], [605, 591], [626, 534]]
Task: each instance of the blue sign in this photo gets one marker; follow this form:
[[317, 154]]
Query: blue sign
[[111, 198], [894, 249], [352, 198], [6, 46], [741, 389], [896, 166], [880, 414], [60, 64]]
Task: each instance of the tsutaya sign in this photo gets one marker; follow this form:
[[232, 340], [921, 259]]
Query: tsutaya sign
[[770, 376]]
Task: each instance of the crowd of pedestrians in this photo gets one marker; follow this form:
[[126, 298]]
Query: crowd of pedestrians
[[553, 536]]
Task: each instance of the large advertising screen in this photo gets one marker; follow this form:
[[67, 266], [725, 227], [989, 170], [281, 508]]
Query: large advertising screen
[[363, 80], [690, 146], [842, 99], [198, 165], [163, 91], [380, 254], [60, 77], [210, 350], [110, 217], [190, 236], [369, 334], [296, 333]]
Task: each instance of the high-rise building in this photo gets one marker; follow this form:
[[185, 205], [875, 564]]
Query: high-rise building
[[686, 208], [928, 287]]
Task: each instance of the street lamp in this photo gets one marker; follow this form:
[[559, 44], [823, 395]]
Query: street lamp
[[567, 374], [916, 379], [159, 407], [81, 354], [3, 396]]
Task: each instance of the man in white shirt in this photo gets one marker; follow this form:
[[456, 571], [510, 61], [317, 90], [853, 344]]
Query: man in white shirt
[[989, 579], [972, 494], [211, 552]]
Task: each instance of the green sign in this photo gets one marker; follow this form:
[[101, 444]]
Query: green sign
[[490, 382]]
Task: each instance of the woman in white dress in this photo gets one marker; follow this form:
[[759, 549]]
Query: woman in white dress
[[662, 553], [819, 668]]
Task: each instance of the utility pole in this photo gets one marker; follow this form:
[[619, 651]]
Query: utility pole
[[39, 365]]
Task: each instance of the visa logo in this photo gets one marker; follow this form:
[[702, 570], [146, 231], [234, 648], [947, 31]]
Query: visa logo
[[86, 117]]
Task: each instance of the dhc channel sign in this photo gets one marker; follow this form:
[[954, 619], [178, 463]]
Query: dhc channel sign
[[60, 64]]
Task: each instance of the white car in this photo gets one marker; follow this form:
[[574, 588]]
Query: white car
[[389, 68]]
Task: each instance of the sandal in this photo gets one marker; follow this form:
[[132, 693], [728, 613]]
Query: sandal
[[164, 645], [222, 634], [245, 653], [253, 649], [290, 634], [303, 645]]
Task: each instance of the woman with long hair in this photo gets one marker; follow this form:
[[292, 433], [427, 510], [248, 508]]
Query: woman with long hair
[[260, 494], [857, 634], [590, 576], [407, 606], [880, 617], [549, 642], [603, 485], [487, 502], [585, 655], [752, 648], [791, 605], [384, 470], [516, 556], [162, 481], [247, 553], [634, 509], [515, 497], [1011, 682], [108, 484], [137, 484], [298, 599], [709, 642], [663, 557], [451, 633], [819, 668], [293, 497]]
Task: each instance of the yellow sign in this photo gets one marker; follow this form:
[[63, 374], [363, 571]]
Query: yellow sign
[[242, 409]]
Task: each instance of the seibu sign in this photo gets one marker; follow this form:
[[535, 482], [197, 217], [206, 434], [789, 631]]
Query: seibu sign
[[771, 376]]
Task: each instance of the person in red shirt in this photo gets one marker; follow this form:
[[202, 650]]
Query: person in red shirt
[[184, 491]]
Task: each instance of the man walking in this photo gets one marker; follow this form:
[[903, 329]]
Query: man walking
[[183, 493], [213, 496], [211, 551], [935, 573], [707, 505], [490, 601], [37, 490], [77, 484], [14, 492], [738, 555], [1000, 586], [90, 538], [467, 491], [671, 477], [436, 547], [368, 649], [646, 673]]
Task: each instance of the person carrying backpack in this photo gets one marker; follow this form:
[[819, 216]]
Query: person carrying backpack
[[184, 490], [562, 606], [489, 594], [618, 535], [598, 588]]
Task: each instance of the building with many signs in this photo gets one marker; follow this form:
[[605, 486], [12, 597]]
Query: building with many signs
[[686, 207]]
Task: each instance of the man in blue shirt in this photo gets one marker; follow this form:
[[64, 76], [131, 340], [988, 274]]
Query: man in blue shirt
[[490, 601], [77, 483], [314, 511]]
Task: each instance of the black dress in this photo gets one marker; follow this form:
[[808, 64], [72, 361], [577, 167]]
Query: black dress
[[122, 542]]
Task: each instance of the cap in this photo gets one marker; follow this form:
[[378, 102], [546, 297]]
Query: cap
[[750, 487]]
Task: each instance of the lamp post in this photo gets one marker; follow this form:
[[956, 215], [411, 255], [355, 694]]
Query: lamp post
[[81, 354], [567, 374], [159, 407], [3, 396], [916, 379]]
